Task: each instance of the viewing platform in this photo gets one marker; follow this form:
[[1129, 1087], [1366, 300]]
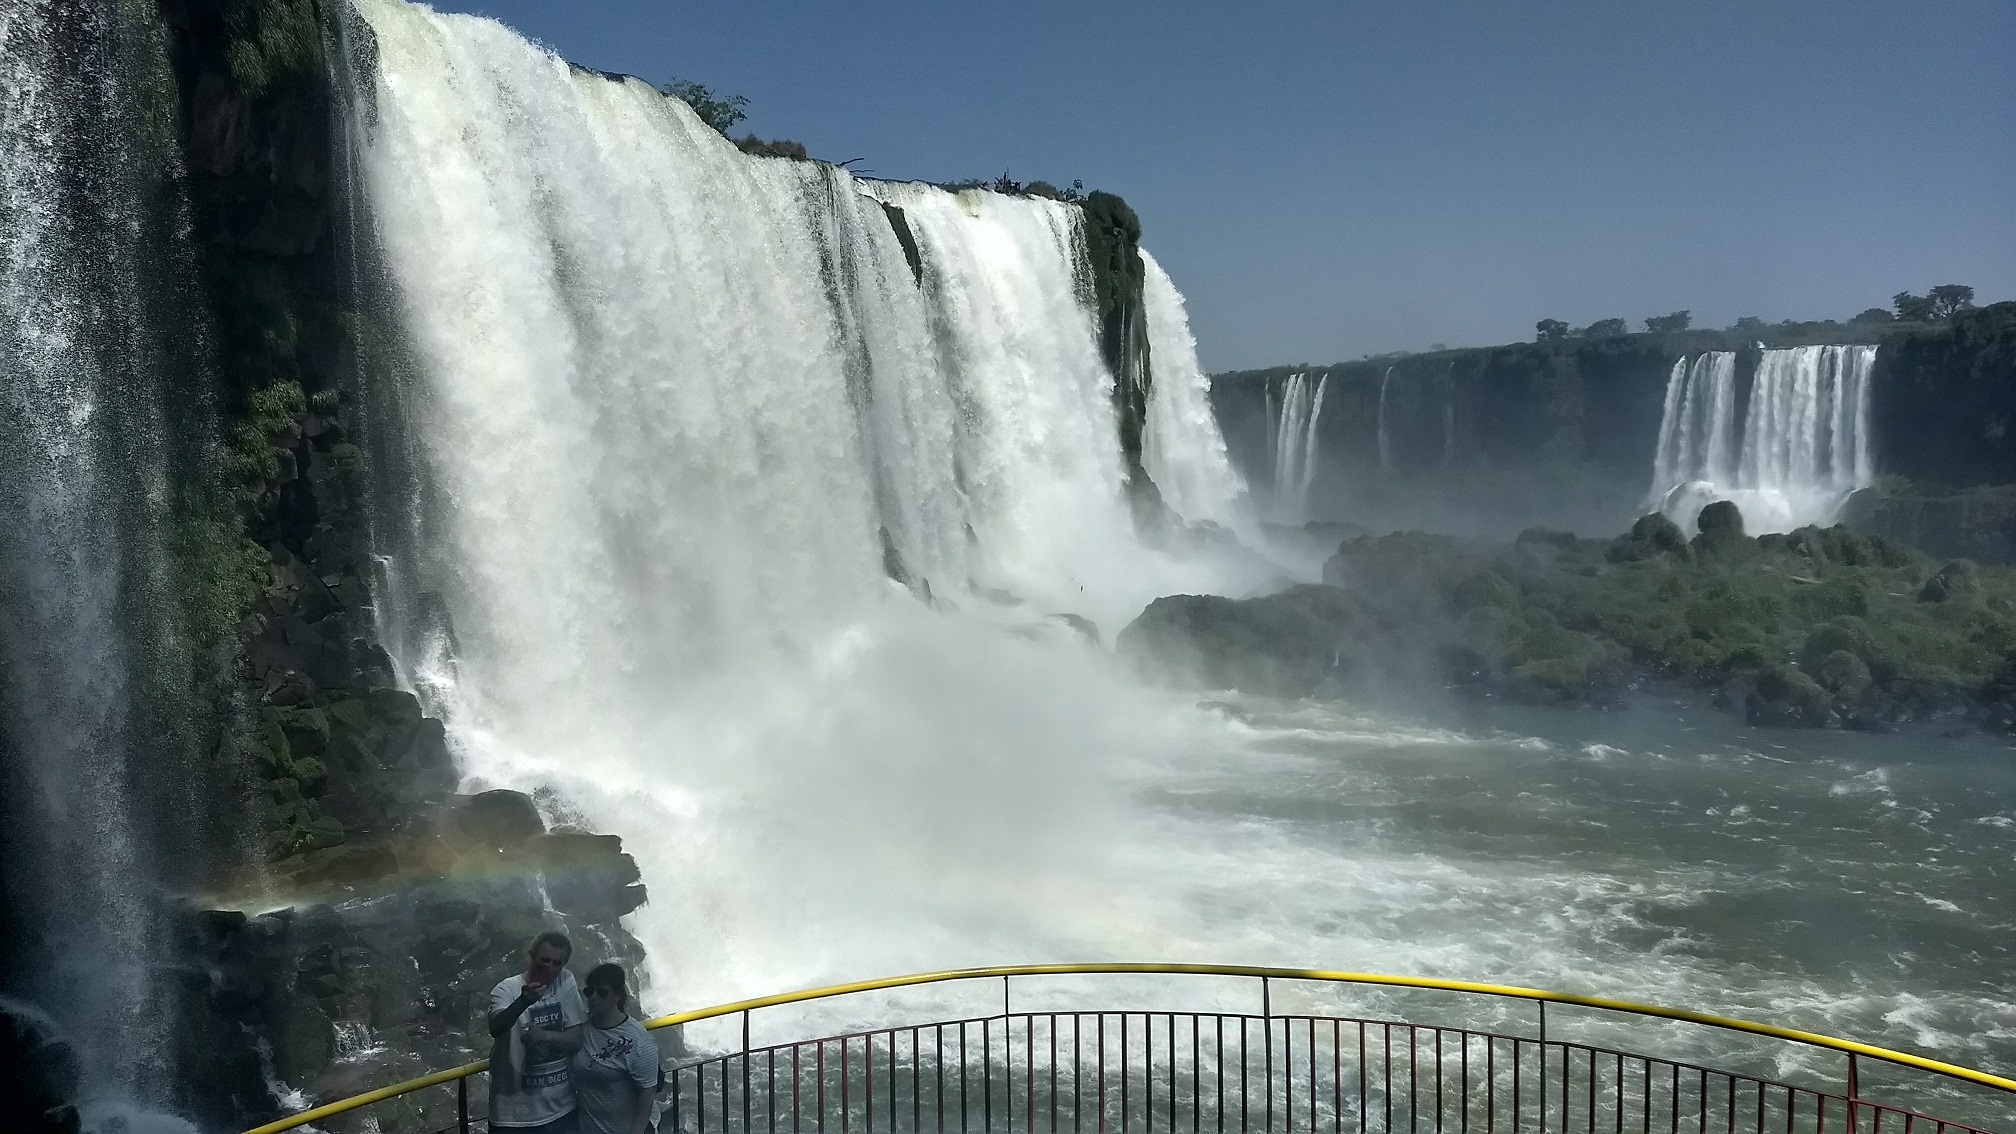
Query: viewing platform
[[1294, 1059]]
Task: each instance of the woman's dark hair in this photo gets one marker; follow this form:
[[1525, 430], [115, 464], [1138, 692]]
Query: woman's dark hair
[[609, 975]]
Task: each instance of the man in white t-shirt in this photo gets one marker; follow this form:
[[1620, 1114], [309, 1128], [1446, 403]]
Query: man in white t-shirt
[[536, 1025]]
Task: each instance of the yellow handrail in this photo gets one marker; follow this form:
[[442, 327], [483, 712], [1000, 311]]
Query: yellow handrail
[[1983, 1078]]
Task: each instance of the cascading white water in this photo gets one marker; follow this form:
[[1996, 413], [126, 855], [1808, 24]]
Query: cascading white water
[[89, 646], [1449, 416], [1385, 441], [1295, 446], [1181, 445], [670, 396], [1803, 446]]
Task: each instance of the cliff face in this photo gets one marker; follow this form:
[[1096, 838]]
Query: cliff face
[[1563, 431], [399, 903], [1486, 441], [1113, 252], [1945, 400]]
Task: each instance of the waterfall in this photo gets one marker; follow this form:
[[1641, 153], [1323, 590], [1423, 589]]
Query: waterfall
[[1385, 443], [93, 661], [1449, 416], [1295, 446], [670, 401], [1802, 448], [1181, 447]]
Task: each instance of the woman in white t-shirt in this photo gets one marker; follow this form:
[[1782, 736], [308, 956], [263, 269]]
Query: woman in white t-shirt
[[616, 1070]]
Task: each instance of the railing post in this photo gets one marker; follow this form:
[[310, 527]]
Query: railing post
[[462, 1104], [1854, 1093], [1267, 1045], [745, 1069], [1542, 1073]]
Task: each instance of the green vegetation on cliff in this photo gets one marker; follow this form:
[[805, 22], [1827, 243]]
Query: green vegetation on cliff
[[1819, 627], [1945, 399]]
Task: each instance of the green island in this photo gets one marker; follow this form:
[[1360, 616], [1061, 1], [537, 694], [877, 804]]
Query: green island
[[1818, 628]]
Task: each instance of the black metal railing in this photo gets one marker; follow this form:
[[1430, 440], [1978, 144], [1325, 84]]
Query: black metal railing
[[1154, 1070], [1192, 1071]]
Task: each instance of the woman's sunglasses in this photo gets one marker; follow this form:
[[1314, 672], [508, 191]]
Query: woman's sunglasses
[[601, 992]]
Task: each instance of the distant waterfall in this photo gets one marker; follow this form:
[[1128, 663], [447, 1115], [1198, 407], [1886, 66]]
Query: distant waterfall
[[1449, 416], [1295, 446], [1802, 448], [1385, 438], [1181, 447]]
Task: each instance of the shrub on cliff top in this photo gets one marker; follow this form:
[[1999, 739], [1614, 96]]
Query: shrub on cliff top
[[720, 111]]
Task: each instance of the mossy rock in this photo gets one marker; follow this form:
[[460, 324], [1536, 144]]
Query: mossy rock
[[348, 713], [1845, 674], [1720, 529], [1786, 695], [1113, 247], [1850, 635], [1651, 537], [1485, 588], [394, 707], [1954, 579]]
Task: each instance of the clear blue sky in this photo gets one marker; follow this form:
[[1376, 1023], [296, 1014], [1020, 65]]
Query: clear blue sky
[[1330, 179]]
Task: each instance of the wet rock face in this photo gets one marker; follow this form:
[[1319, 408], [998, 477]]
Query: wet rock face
[[383, 968], [38, 1074], [369, 909]]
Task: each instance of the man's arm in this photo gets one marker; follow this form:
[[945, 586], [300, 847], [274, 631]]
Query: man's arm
[[501, 1019]]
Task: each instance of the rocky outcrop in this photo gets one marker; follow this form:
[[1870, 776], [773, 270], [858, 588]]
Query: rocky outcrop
[[379, 964], [38, 1074], [1818, 628], [1113, 251]]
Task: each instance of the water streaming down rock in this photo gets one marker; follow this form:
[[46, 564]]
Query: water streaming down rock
[[1295, 452], [1385, 437], [1449, 416], [1182, 448], [99, 427], [1803, 446], [670, 402]]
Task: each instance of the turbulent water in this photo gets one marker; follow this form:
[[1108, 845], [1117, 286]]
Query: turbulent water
[[1801, 449], [679, 412], [1295, 452]]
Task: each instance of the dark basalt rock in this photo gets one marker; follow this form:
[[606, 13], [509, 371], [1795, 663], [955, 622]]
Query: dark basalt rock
[[494, 820], [38, 1074], [382, 966], [1951, 581]]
